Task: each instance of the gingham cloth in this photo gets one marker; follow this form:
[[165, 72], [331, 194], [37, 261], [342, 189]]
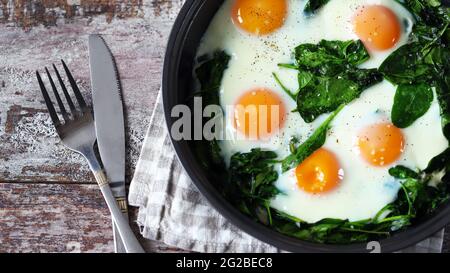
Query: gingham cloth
[[173, 211]]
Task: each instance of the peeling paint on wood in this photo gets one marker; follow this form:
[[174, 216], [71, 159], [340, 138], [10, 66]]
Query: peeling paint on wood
[[58, 218], [26, 133], [28, 13], [15, 114], [46, 202], [53, 218], [162, 6]]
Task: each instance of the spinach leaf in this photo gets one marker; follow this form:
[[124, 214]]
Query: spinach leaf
[[253, 176], [428, 12], [402, 172], [439, 162], [421, 63], [309, 146], [254, 173], [410, 103], [443, 94], [324, 94], [329, 57], [328, 76], [285, 89], [304, 78], [333, 231], [416, 62], [421, 198], [440, 57], [407, 65], [210, 73], [313, 5]]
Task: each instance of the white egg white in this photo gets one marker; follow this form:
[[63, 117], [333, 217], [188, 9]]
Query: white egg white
[[365, 189]]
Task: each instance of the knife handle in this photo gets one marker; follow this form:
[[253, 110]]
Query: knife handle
[[129, 240], [122, 203], [118, 244]]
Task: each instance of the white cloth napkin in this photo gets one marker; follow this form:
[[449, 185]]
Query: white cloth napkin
[[173, 211]]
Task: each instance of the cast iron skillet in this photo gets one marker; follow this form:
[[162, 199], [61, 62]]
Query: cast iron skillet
[[189, 28]]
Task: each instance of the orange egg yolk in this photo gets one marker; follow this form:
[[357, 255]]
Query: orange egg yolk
[[259, 113], [381, 144], [319, 173], [377, 26], [259, 17]]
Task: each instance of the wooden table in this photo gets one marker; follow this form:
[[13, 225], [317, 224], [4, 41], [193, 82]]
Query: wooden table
[[48, 198]]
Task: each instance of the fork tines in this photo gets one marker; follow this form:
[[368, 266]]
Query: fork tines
[[50, 106]]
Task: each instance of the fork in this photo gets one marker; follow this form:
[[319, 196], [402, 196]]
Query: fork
[[77, 132]]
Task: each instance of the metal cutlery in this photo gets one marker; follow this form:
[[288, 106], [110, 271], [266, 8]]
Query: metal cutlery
[[77, 132], [109, 122]]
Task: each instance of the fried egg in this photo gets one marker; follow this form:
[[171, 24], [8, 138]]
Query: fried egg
[[348, 177], [259, 17]]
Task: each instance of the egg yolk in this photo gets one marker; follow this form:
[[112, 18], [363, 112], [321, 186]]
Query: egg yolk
[[259, 17], [319, 173], [259, 113], [381, 144], [377, 26]]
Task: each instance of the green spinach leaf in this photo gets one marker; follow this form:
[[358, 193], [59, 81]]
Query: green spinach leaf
[[402, 172], [310, 145], [329, 76], [210, 73], [333, 231], [326, 57], [422, 62], [314, 5], [443, 94], [410, 103], [439, 162], [324, 94], [253, 176], [432, 13], [407, 65]]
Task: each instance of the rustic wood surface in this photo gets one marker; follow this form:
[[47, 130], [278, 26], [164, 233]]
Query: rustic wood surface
[[48, 199]]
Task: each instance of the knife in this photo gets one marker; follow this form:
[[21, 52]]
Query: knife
[[109, 123]]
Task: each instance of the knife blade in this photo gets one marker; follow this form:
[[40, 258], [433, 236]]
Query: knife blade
[[109, 122]]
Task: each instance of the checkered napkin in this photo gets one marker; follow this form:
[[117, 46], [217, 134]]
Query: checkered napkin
[[173, 211]]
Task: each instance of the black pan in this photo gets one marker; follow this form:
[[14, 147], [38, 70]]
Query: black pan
[[189, 28]]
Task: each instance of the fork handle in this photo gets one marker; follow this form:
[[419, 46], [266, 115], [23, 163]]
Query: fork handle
[[129, 240]]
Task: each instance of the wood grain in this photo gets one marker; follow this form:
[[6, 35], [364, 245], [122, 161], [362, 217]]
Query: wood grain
[[53, 218], [27, 14], [30, 150], [58, 218], [46, 201]]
